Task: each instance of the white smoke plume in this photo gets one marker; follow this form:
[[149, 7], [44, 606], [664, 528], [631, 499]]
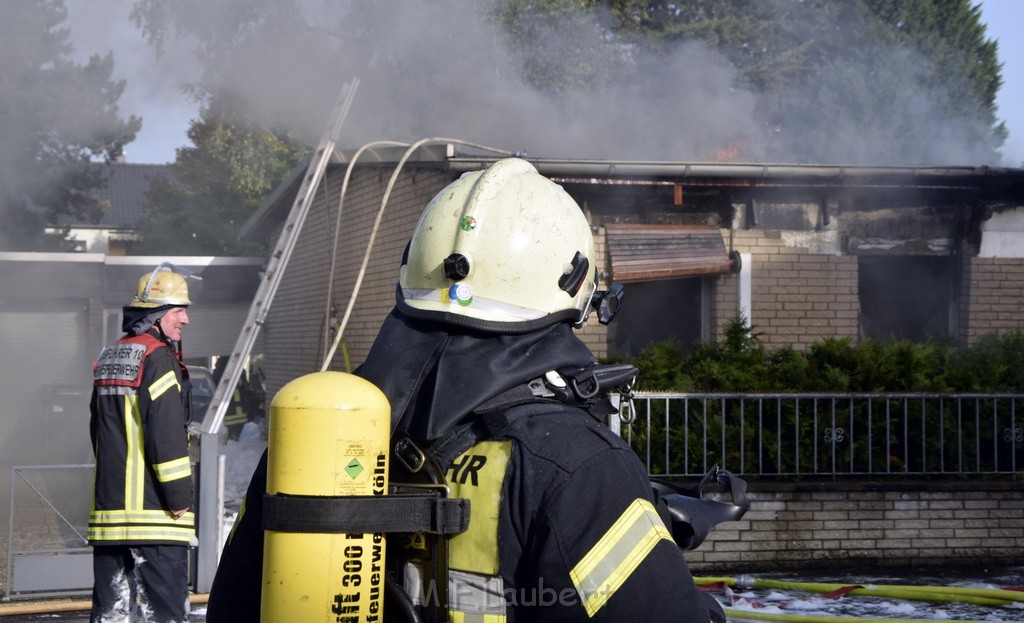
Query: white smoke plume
[[445, 68]]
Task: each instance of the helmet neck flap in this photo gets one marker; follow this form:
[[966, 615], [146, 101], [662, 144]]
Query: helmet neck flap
[[138, 320], [434, 375]]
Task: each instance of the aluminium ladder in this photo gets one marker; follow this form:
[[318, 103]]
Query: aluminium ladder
[[276, 264]]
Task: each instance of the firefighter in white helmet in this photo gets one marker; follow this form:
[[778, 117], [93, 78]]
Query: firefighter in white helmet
[[485, 375], [140, 526]]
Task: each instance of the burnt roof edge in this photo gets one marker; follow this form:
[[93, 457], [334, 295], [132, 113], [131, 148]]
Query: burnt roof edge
[[590, 171], [676, 170]]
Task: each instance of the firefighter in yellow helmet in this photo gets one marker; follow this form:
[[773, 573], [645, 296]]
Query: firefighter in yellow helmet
[[484, 374], [240, 408], [140, 526]]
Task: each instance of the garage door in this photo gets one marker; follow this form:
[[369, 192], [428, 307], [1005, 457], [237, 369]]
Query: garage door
[[45, 382]]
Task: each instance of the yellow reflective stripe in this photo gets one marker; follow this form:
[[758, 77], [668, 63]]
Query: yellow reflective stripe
[[473, 617], [140, 516], [173, 470], [163, 384], [139, 533], [134, 466], [617, 554], [235, 418], [116, 525]]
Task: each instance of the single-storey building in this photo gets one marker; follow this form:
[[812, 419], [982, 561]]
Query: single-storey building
[[804, 252], [57, 310]]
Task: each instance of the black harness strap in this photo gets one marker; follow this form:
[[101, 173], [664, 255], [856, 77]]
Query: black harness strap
[[520, 394], [359, 514], [427, 513]]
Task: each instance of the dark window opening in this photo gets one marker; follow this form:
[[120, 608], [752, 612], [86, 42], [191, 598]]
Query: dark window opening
[[655, 311], [905, 297]]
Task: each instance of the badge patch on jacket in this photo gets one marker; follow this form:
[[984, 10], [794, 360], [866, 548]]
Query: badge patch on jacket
[[120, 363]]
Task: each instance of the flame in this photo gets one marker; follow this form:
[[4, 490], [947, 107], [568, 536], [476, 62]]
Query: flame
[[732, 151]]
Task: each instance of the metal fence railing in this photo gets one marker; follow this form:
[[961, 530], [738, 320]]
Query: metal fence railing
[[47, 553], [828, 435]]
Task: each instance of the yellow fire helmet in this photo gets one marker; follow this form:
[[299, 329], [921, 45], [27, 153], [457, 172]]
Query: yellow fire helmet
[[166, 285], [502, 250]]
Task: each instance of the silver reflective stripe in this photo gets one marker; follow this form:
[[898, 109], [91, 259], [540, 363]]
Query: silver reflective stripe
[[478, 302], [475, 594], [114, 390], [414, 583], [418, 590], [472, 598]]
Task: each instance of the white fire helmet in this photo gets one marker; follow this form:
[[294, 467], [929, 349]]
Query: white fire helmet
[[166, 285], [501, 250]]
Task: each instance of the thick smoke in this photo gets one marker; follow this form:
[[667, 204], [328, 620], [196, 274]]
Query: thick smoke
[[153, 81], [444, 68]]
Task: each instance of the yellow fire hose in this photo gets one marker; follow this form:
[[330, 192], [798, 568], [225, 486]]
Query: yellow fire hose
[[967, 595], [65, 605], [746, 615]]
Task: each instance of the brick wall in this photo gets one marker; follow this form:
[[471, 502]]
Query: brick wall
[[992, 297], [595, 335], [294, 330], [802, 527], [797, 297]]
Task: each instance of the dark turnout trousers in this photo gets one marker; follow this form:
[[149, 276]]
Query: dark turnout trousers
[[141, 583]]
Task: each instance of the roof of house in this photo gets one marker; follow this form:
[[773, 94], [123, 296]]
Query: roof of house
[[959, 184], [126, 188]]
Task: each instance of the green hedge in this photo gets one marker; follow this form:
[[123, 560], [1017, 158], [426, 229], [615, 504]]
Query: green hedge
[[741, 363]]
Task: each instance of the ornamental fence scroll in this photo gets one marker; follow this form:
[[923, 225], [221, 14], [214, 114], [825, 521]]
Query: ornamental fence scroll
[[796, 436]]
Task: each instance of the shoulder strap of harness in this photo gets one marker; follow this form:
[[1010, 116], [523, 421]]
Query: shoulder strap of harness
[[582, 389], [152, 343]]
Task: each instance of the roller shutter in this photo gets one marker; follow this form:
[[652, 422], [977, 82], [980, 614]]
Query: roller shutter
[[655, 252]]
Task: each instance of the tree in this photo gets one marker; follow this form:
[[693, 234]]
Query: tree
[[908, 82], [857, 81], [561, 45], [58, 122], [964, 64], [250, 132], [750, 33], [218, 184]]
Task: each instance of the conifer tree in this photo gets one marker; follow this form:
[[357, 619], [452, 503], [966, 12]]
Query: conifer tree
[[59, 122]]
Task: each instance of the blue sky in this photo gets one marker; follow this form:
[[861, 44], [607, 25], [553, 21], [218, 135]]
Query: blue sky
[[151, 92], [1004, 21]]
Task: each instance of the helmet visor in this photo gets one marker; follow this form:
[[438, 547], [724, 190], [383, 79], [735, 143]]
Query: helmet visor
[[168, 284]]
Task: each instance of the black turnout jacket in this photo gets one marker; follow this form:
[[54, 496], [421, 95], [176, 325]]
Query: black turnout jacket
[[139, 437], [563, 525]]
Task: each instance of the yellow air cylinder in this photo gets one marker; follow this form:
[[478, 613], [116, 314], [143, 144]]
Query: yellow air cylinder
[[329, 435]]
